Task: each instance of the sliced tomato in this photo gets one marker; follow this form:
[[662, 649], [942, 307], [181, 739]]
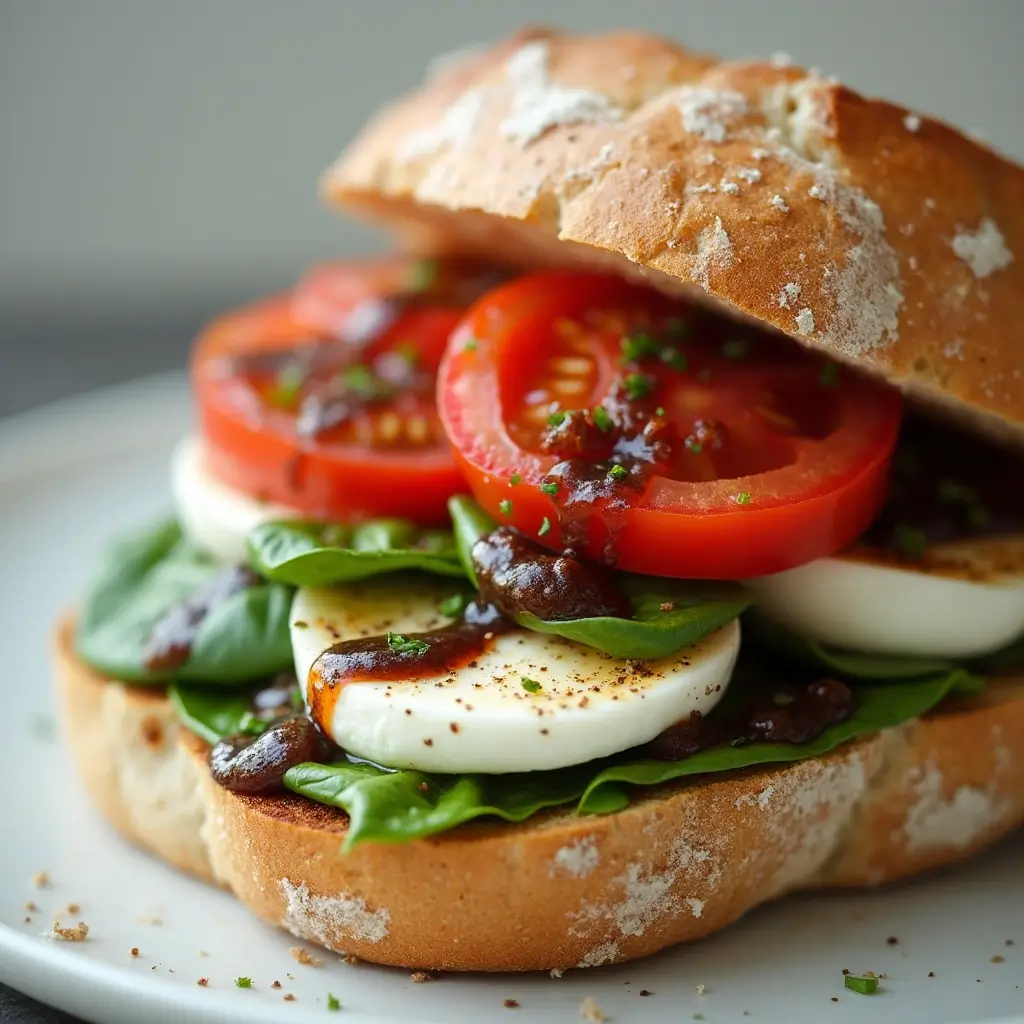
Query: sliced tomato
[[661, 438], [328, 406]]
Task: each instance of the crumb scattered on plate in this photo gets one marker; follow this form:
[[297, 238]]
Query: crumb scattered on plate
[[511, 1004], [590, 1011], [134, 951], [556, 972], [74, 933], [420, 976], [289, 997], [303, 956], [203, 981], [41, 880]]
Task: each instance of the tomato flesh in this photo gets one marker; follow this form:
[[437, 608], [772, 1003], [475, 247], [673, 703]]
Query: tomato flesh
[[323, 399], [594, 414]]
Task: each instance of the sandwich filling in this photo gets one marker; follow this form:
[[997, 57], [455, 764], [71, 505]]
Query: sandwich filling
[[451, 545]]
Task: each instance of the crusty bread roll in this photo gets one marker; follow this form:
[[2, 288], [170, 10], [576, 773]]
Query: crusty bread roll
[[558, 891], [882, 237]]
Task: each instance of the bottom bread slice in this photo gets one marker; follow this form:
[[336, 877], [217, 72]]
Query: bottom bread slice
[[557, 891]]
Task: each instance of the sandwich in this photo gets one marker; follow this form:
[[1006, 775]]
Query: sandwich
[[641, 543]]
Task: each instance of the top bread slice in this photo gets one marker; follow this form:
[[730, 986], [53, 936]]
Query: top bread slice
[[886, 239]]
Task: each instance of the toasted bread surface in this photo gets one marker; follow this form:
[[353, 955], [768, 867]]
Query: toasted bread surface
[[556, 891], [884, 238]]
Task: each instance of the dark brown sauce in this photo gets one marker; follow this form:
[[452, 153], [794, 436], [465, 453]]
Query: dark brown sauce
[[404, 658], [789, 715], [516, 575], [947, 485], [257, 764], [607, 456], [170, 641], [328, 397]]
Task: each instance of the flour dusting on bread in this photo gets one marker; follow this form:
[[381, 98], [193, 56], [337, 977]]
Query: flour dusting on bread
[[936, 821], [328, 919], [983, 250], [539, 104]]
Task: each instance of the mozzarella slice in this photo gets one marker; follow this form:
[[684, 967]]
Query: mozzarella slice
[[480, 718], [961, 600], [215, 517]]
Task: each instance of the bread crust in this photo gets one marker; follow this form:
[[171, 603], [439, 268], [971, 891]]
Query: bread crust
[[557, 891], [887, 239]]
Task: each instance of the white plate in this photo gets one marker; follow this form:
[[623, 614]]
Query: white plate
[[76, 473]]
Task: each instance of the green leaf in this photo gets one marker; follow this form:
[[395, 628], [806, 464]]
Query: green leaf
[[846, 664], [668, 615], [307, 554], [147, 574], [211, 712], [398, 806], [880, 706]]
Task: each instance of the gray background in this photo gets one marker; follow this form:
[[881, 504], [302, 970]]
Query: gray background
[[158, 160]]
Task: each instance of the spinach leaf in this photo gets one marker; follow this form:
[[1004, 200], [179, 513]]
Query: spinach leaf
[[211, 712], [308, 554], [879, 707], [146, 575], [668, 615], [849, 665], [398, 806]]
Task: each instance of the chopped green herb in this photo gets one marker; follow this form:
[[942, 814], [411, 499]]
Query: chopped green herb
[[740, 741], [638, 385], [243, 982], [737, 349], [556, 419], [404, 645], [660, 411], [545, 527], [979, 517], [514, 479], [676, 327], [674, 359], [505, 507], [408, 352], [250, 725], [550, 487], [953, 492], [637, 346], [288, 385], [333, 1003], [601, 418], [829, 376], [783, 700], [910, 540], [531, 685], [360, 378], [618, 472], [743, 498], [300, 624], [423, 275], [866, 986], [453, 605], [693, 446], [469, 345]]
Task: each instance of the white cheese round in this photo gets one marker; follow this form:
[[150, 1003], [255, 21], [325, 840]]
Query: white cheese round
[[481, 717]]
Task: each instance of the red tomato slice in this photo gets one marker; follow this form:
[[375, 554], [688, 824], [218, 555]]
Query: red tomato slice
[[661, 438], [328, 406]]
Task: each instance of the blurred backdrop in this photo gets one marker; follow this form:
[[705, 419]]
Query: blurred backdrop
[[159, 159]]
